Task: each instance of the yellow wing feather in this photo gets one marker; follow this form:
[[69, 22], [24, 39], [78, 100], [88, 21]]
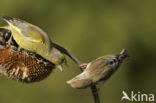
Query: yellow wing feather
[[32, 34], [35, 35]]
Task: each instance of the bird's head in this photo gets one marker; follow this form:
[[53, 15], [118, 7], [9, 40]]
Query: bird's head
[[57, 58]]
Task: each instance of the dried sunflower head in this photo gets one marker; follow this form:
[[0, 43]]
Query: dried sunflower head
[[20, 64]]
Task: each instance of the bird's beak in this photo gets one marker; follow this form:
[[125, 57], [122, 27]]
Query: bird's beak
[[60, 67]]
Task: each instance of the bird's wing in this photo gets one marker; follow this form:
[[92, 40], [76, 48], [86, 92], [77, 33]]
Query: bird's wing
[[33, 35], [29, 31]]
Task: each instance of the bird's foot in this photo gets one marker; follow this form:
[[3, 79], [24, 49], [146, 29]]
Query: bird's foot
[[19, 48], [9, 42], [83, 65]]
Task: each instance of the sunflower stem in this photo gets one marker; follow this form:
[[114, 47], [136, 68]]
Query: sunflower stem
[[78, 62]]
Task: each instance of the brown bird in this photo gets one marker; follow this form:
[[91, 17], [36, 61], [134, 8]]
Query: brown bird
[[98, 71]]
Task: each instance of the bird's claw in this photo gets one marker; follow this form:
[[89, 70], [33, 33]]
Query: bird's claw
[[9, 42], [83, 65]]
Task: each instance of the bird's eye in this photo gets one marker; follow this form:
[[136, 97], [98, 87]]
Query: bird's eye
[[111, 62]]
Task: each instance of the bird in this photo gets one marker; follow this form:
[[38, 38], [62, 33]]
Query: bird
[[98, 71], [32, 38], [21, 65]]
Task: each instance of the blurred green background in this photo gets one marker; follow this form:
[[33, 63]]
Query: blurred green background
[[90, 29]]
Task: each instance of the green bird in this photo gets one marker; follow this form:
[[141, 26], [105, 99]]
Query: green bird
[[34, 39]]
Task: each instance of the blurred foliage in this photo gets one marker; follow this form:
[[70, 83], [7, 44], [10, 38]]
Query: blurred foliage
[[90, 29]]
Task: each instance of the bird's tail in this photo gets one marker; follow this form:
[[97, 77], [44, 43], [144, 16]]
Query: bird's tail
[[4, 27], [123, 54]]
